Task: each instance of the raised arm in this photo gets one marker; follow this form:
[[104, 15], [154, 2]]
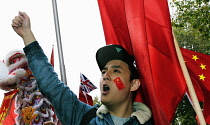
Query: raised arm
[[67, 106], [21, 25]]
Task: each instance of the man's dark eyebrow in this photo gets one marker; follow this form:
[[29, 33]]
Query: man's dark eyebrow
[[115, 66], [105, 68]]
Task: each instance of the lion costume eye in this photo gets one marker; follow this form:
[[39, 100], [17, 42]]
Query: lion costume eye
[[24, 83], [15, 58], [37, 119], [32, 78]]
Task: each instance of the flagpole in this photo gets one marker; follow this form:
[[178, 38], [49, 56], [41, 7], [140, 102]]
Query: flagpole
[[60, 51], [191, 90]]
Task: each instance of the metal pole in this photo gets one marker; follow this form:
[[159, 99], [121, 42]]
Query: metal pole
[[60, 51]]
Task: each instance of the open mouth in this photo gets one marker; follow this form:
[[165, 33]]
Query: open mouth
[[13, 86], [23, 66], [105, 89]]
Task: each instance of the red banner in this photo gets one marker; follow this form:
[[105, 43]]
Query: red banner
[[6, 107], [143, 27]]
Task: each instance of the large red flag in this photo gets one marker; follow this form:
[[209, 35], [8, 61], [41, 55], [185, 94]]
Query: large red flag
[[86, 86], [143, 27], [198, 68]]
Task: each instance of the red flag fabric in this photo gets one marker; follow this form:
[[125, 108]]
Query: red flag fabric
[[52, 57], [11, 116], [86, 98], [143, 27], [198, 68], [7, 114], [86, 86]]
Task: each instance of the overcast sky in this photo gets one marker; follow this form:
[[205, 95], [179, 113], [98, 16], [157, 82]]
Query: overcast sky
[[81, 35]]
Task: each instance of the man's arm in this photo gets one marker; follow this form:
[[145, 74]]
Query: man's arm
[[68, 108], [21, 25]]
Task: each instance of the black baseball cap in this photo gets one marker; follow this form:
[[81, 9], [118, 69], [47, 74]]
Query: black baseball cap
[[113, 52]]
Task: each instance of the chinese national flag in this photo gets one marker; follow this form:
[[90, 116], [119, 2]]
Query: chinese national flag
[[118, 82], [199, 71], [143, 27]]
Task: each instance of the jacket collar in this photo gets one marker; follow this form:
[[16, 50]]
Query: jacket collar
[[141, 112]]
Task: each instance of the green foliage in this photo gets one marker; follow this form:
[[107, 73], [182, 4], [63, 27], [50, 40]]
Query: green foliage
[[185, 114], [191, 24], [191, 39], [96, 101], [193, 14]]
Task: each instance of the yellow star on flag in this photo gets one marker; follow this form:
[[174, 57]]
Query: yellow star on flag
[[203, 66], [195, 57], [202, 77]]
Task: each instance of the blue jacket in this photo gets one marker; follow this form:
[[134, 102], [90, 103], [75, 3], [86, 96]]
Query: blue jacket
[[68, 108]]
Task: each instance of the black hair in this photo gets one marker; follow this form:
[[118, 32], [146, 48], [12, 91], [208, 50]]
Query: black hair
[[134, 73]]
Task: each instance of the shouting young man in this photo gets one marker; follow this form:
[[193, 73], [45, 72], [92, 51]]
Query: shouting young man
[[119, 81]]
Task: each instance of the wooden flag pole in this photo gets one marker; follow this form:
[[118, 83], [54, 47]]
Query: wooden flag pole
[[191, 90]]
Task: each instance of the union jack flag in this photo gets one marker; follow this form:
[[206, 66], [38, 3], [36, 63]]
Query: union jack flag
[[86, 85]]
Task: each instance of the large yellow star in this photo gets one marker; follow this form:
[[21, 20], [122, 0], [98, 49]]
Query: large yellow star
[[195, 57], [203, 66], [202, 77]]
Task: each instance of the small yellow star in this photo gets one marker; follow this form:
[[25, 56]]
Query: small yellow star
[[203, 66], [195, 57], [202, 77]]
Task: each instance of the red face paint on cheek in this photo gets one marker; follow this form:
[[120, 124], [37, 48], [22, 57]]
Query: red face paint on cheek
[[119, 83]]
